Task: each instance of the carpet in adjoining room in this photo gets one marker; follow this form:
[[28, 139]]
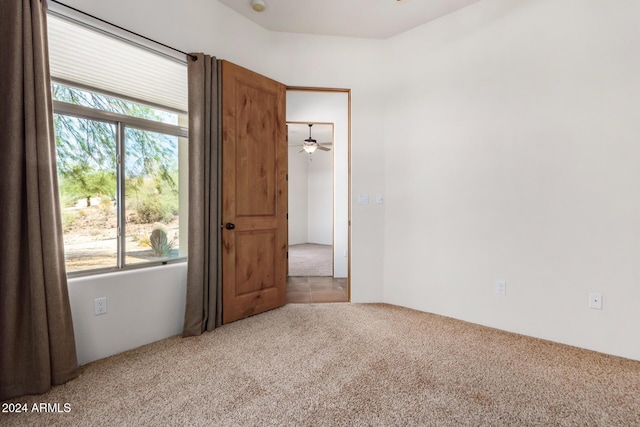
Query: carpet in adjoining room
[[310, 259]]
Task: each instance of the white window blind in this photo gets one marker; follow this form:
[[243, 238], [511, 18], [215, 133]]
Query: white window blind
[[93, 59]]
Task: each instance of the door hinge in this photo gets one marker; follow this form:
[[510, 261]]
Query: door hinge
[[287, 177], [287, 216], [287, 254]]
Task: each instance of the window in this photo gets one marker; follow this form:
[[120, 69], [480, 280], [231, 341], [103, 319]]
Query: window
[[119, 181], [122, 162]]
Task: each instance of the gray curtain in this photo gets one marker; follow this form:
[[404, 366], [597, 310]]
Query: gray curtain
[[203, 307], [36, 333]]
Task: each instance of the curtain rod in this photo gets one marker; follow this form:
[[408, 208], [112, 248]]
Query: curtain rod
[[195, 58]]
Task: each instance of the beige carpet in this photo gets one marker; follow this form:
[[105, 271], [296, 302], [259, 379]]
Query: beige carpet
[[343, 364], [310, 259]]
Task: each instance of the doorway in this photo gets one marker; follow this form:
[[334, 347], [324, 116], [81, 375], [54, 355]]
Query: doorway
[[310, 188], [319, 188]]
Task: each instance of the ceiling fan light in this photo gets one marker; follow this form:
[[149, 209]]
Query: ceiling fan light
[[309, 148]]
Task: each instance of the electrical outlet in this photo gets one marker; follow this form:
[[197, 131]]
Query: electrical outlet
[[595, 301], [100, 306], [501, 287]]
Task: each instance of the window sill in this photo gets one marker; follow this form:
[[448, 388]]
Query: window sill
[[109, 270]]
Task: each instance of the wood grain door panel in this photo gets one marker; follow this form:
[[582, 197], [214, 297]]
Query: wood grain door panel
[[254, 193]]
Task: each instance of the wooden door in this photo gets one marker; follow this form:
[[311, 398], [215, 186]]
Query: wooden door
[[254, 193]]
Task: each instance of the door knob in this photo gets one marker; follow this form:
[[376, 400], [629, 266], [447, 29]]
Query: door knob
[[230, 226]]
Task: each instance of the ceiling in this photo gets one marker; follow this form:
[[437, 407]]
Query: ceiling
[[375, 19], [298, 132]]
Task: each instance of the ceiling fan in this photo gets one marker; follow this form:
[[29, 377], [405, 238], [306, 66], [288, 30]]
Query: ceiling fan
[[311, 145]]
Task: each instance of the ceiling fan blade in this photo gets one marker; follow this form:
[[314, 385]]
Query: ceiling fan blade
[[327, 144], [320, 147]]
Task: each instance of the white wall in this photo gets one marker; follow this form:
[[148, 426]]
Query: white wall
[[321, 201], [511, 152], [143, 306], [327, 107], [298, 197]]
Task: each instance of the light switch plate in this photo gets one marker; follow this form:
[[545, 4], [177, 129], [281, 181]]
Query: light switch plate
[[363, 199]]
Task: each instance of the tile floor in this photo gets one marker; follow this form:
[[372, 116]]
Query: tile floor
[[310, 289]]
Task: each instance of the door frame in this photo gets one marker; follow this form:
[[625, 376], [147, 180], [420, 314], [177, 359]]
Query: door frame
[[348, 92]]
